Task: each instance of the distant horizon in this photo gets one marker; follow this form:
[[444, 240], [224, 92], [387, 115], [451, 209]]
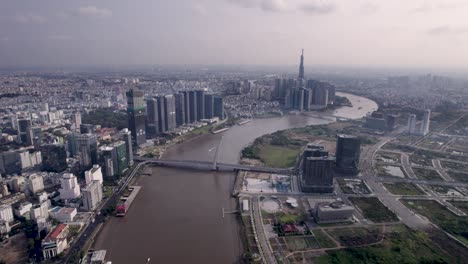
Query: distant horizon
[[284, 68]]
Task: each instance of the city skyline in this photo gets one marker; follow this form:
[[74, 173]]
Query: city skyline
[[247, 32]]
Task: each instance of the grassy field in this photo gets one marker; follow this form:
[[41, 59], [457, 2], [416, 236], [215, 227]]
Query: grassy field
[[441, 216], [403, 188], [461, 177], [373, 209], [454, 166], [278, 157], [398, 247], [387, 156], [356, 236], [460, 205], [323, 240], [424, 174]]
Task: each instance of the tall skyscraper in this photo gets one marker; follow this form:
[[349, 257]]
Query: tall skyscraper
[[92, 195], [127, 138], [24, 131], [193, 109], [200, 96], [161, 115], [218, 107], [76, 118], [187, 107], [136, 116], [348, 151], [313, 151], [301, 67], [152, 110], [86, 146], [318, 174], [209, 106], [426, 122], [54, 157], [180, 108], [412, 124], [170, 111], [86, 129], [70, 189]]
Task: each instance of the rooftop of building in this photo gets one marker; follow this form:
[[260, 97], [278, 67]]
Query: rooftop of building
[[345, 136], [55, 233], [334, 206]]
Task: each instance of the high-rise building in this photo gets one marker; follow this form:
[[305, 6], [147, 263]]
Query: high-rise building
[[301, 67], [6, 213], [35, 183], [170, 111], [25, 131], [136, 116], [209, 106], [426, 122], [320, 96], [76, 118], [412, 124], [218, 107], [54, 157], [152, 117], [200, 97], [348, 151], [161, 115], [318, 174], [87, 150], [109, 159], [121, 163], [187, 107], [193, 109], [92, 195], [94, 174], [313, 151], [127, 138], [180, 108], [10, 162], [69, 187], [86, 129]]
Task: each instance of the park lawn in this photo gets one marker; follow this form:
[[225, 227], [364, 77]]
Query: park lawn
[[457, 176], [462, 205], [355, 236], [373, 209], [397, 247], [278, 156], [442, 217], [429, 175], [323, 240], [403, 188]]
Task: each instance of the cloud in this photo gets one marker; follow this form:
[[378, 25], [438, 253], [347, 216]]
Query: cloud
[[94, 11], [310, 7], [59, 37], [199, 10], [274, 5], [318, 7], [369, 8], [29, 18], [447, 30]]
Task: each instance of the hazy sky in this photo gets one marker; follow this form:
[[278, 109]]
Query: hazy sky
[[332, 32]]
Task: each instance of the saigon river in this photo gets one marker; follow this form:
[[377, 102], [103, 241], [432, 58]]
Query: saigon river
[[177, 217]]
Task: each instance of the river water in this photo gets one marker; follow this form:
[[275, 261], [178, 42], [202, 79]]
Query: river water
[[177, 216]]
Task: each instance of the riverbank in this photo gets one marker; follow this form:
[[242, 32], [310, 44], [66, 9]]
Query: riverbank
[[177, 207]]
